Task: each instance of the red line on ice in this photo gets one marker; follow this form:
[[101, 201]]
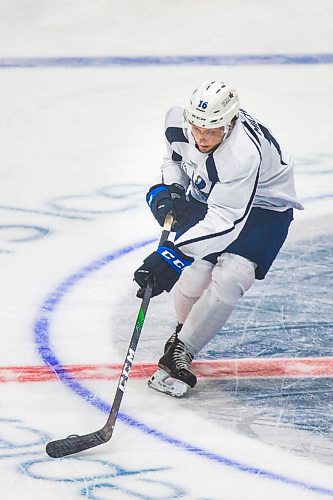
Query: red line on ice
[[214, 369]]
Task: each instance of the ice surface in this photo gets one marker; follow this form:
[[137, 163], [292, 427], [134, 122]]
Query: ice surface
[[79, 146]]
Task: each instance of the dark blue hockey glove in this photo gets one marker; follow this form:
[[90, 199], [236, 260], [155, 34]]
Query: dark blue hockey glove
[[163, 198], [162, 268]]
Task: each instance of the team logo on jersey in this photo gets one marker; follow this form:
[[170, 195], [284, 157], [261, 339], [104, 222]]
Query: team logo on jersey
[[200, 183]]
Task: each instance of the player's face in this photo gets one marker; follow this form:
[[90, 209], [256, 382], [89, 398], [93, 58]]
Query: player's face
[[207, 139]]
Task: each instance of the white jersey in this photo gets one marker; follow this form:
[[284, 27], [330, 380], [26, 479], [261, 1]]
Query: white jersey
[[249, 169]]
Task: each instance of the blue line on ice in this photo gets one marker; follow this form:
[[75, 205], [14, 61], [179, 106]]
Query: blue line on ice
[[185, 60], [42, 341]]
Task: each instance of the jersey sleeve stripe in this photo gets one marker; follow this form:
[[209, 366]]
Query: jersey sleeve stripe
[[226, 231], [176, 157], [175, 134], [247, 126]]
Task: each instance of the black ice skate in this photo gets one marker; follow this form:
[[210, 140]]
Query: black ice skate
[[173, 376]]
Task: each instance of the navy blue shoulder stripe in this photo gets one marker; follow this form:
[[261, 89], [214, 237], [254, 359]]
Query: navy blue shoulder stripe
[[250, 129], [256, 145], [272, 140], [175, 134], [221, 233]]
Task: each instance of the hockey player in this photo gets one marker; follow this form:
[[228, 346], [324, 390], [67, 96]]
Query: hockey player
[[230, 186]]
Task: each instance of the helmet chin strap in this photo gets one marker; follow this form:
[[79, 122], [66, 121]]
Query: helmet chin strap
[[229, 128], [227, 132]]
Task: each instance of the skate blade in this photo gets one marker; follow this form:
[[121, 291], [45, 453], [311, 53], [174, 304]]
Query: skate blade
[[162, 382]]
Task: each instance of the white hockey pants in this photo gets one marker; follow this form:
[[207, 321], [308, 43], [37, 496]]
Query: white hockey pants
[[206, 295]]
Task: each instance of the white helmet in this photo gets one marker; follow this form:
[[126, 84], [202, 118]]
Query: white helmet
[[212, 105]]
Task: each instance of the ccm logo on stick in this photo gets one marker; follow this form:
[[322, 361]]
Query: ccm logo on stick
[[126, 370]]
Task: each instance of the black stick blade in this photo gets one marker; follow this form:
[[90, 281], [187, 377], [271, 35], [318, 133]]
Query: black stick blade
[[74, 444]]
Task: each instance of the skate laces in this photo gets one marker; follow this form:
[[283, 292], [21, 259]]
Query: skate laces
[[182, 356], [173, 337]]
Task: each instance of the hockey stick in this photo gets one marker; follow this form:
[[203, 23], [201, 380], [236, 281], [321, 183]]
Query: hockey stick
[[75, 443]]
